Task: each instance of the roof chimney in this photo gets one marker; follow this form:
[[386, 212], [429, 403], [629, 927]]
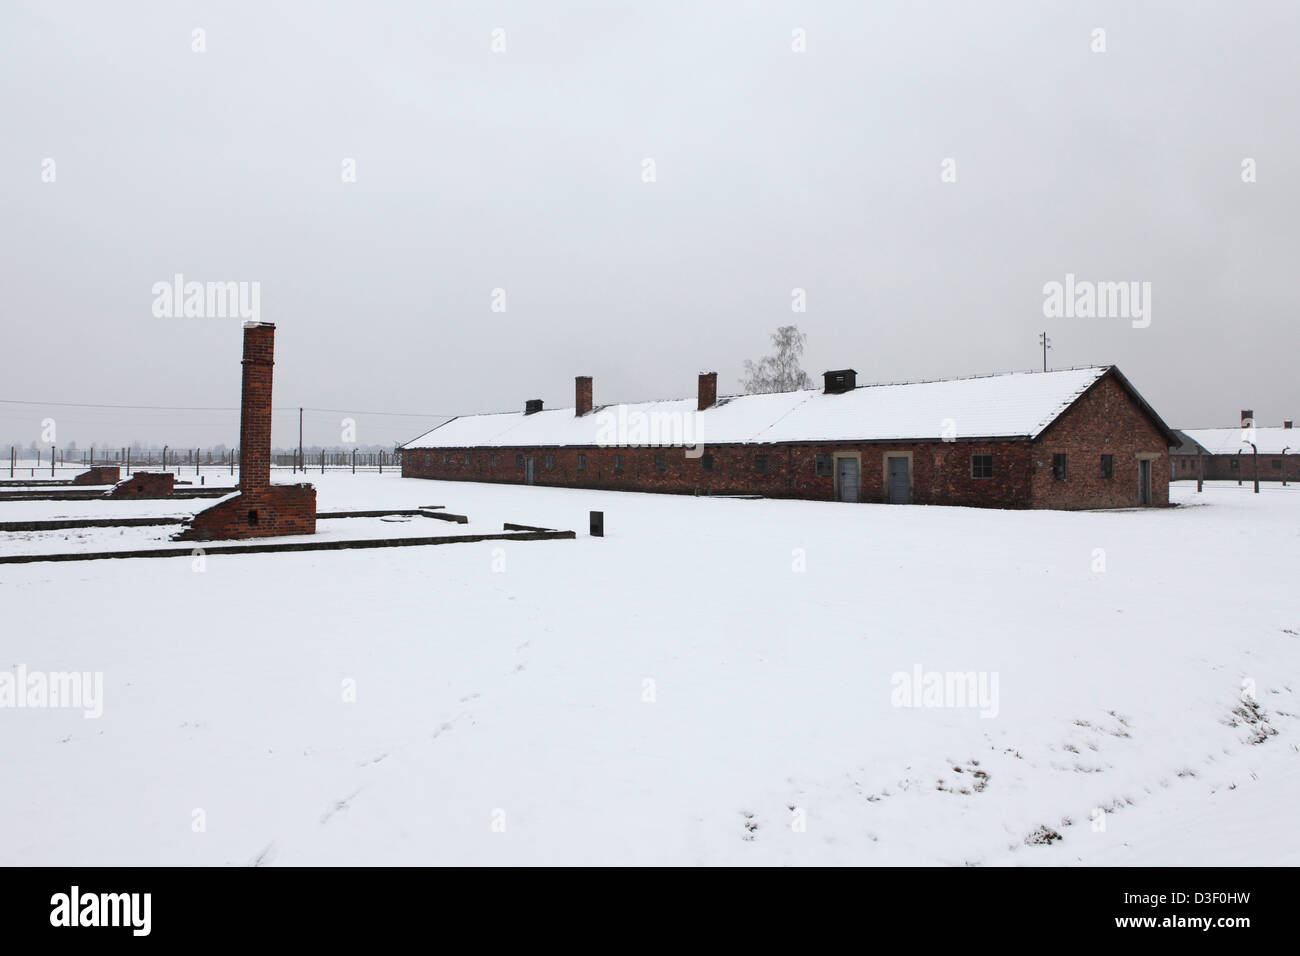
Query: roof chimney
[[708, 391], [582, 395], [840, 380], [1247, 418], [1287, 423], [532, 406]]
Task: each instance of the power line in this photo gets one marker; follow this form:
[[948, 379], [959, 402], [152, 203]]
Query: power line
[[225, 408]]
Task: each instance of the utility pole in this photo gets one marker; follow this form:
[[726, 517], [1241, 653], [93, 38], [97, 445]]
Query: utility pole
[[1046, 344], [301, 460]]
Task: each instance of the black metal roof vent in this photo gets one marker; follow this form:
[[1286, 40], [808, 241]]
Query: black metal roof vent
[[840, 380], [532, 406]]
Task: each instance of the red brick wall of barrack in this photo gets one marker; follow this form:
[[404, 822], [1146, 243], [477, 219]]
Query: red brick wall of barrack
[[1105, 421], [941, 471]]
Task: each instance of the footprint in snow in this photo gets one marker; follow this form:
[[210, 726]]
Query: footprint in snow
[[338, 807], [265, 857]]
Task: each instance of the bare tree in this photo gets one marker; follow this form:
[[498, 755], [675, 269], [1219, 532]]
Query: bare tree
[[780, 371]]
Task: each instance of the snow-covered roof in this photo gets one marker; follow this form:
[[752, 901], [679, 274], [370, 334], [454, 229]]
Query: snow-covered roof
[[1013, 405], [1232, 441]]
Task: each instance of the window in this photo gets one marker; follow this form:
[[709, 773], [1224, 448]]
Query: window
[[428, 459], [981, 466], [1108, 466], [519, 461], [446, 459], [1235, 463], [1277, 464], [824, 466], [618, 462], [661, 462], [549, 462], [1058, 467], [760, 464], [582, 463], [469, 459], [492, 461], [706, 462]]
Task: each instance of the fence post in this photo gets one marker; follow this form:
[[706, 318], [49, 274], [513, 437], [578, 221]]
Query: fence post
[[52, 464]]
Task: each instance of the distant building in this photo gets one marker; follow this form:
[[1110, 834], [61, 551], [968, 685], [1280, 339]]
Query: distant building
[[1186, 457], [1226, 454], [1075, 438]]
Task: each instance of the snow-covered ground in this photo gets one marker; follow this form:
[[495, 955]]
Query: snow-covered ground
[[715, 681]]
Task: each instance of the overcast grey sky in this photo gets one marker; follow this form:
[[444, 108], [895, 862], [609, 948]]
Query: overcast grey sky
[[522, 170]]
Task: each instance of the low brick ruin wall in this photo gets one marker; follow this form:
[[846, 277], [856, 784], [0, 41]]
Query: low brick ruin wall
[[146, 484], [256, 513], [99, 475]]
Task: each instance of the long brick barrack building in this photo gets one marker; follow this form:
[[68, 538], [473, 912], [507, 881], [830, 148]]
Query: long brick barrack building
[[1070, 439]]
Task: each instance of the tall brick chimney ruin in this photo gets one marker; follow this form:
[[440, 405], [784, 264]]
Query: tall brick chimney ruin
[[255, 406], [260, 509]]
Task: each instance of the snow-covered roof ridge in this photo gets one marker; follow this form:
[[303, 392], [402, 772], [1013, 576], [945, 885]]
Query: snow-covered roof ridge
[[1270, 440], [1004, 405]]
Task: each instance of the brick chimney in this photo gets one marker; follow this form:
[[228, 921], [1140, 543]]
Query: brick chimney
[[708, 396], [1247, 418], [1287, 423], [261, 509], [582, 395], [255, 406], [532, 406]]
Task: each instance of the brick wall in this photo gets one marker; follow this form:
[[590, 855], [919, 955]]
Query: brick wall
[[146, 484], [941, 471], [1219, 467], [1105, 421], [99, 475]]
